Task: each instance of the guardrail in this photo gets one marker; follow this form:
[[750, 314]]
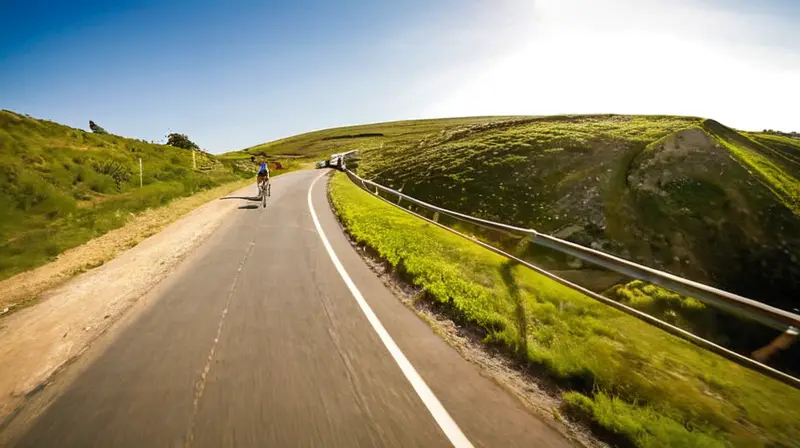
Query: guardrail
[[776, 318]]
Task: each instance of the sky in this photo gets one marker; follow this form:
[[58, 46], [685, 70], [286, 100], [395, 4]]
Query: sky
[[238, 73]]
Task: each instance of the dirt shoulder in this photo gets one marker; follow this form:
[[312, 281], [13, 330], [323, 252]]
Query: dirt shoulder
[[25, 288], [58, 319]]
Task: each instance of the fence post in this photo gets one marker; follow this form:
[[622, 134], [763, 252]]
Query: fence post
[[141, 175], [194, 159]]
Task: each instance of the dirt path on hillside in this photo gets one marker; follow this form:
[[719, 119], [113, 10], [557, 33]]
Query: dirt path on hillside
[[39, 339]]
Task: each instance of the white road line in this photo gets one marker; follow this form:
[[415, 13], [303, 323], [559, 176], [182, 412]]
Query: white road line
[[439, 413]]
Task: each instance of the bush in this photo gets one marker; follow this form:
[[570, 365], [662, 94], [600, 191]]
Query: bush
[[96, 129], [116, 170], [181, 141]]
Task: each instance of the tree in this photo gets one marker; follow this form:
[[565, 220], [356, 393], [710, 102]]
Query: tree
[[96, 129], [181, 141]]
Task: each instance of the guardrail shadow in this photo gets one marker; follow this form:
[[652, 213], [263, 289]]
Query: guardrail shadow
[[522, 316]]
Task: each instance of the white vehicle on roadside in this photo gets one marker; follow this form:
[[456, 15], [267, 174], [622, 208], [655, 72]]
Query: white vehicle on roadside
[[336, 161]]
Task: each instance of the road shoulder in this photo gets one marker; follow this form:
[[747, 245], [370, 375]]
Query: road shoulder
[[40, 340]]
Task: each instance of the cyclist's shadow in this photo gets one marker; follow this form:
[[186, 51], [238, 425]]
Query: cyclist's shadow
[[245, 198]]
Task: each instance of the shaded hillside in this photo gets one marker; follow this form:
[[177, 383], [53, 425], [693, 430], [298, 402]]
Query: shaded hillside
[[60, 186]]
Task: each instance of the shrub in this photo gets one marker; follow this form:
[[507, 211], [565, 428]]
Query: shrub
[[116, 170], [181, 141], [96, 129]]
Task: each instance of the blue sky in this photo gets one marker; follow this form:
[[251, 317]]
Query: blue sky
[[234, 74]]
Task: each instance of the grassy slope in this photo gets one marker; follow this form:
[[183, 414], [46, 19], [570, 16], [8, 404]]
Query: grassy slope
[[552, 172], [682, 194], [329, 141], [61, 186], [734, 228], [526, 164], [774, 158], [641, 384]]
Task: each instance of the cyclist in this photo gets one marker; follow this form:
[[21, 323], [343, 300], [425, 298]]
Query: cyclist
[[263, 170]]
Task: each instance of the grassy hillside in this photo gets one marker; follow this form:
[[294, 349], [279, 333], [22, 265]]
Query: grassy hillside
[[644, 386], [679, 193], [61, 186], [682, 194]]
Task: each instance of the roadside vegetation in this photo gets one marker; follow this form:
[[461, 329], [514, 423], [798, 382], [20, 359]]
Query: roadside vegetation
[[639, 385], [61, 186]]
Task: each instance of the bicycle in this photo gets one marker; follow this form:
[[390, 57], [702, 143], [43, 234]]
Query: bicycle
[[264, 189]]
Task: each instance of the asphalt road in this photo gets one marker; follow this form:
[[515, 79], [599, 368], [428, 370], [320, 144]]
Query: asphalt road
[[258, 340]]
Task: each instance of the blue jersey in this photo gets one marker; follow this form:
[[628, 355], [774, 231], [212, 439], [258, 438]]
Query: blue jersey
[[262, 168]]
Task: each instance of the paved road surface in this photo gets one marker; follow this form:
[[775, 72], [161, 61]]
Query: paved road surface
[[257, 340]]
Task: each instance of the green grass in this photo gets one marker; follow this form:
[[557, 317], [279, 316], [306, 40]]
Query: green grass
[[61, 186], [692, 315], [646, 387], [787, 147], [641, 425], [773, 173]]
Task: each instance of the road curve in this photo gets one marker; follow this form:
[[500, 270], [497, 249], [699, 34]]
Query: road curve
[[258, 340]]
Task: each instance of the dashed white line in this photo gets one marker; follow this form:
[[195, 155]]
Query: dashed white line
[[439, 413]]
